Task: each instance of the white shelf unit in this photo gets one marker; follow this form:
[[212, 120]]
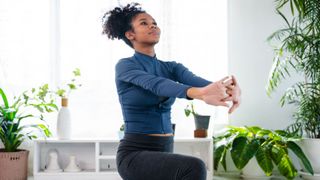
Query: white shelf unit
[[97, 158]]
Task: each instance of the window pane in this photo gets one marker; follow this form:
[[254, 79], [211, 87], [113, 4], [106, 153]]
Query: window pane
[[25, 44]]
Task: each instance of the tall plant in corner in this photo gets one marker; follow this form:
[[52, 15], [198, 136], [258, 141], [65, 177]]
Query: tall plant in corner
[[298, 51]]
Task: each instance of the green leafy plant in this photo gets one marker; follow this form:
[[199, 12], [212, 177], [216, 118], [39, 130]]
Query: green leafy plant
[[268, 147], [190, 110], [19, 119], [298, 52], [71, 86]]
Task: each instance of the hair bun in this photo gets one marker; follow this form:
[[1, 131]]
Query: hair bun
[[118, 21]]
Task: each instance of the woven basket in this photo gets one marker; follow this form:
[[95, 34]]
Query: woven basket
[[14, 165]]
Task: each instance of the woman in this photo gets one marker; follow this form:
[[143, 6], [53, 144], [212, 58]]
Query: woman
[[147, 88]]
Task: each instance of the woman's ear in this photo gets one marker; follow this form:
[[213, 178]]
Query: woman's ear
[[129, 35]]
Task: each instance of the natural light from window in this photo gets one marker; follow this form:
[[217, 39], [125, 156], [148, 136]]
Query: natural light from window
[[43, 41]]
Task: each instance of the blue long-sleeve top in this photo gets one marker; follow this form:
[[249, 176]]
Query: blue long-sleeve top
[[147, 88]]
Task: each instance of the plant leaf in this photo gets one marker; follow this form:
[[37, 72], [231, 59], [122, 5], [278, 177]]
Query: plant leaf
[[243, 150], [283, 161], [219, 157], [299, 153], [287, 168], [4, 98], [264, 160]]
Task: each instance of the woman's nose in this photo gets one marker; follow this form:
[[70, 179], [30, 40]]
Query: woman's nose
[[152, 26]]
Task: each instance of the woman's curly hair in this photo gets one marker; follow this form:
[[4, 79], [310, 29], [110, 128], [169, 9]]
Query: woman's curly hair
[[118, 21]]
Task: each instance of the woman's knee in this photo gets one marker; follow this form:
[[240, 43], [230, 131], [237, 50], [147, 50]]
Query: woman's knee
[[195, 169], [199, 166]]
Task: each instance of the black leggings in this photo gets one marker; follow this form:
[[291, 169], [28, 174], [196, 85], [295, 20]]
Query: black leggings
[[143, 157]]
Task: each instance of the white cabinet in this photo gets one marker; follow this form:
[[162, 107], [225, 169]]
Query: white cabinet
[[97, 158]]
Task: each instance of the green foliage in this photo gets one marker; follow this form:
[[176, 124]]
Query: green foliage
[[36, 102], [298, 51], [71, 86], [268, 147], [189, 110]]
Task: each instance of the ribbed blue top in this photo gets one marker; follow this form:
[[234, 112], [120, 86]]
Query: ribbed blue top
[[147, 88]]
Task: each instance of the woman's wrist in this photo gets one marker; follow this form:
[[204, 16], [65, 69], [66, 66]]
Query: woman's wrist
[[195, 93]]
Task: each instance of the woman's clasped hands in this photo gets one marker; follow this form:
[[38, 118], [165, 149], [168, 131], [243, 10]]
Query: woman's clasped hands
[[220, 92]]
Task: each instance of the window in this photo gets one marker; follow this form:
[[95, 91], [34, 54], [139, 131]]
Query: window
[[43, 41]]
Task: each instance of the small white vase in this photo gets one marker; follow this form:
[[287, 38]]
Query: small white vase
[[64, 121]]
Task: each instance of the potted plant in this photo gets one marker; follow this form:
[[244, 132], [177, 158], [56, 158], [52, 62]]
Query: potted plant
[[298, 52], [201, 121], [18, 120], [270, 149], [64, 126]]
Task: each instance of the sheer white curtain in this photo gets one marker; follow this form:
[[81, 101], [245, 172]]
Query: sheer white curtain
[[42, 41]]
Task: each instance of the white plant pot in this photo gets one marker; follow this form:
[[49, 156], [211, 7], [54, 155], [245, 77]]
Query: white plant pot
[[253, 171], [64, 124], [311, 149]]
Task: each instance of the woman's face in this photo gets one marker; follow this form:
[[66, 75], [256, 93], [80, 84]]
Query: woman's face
[[144, 30]]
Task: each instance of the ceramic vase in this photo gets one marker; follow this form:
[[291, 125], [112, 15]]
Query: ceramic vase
[[64, 121]]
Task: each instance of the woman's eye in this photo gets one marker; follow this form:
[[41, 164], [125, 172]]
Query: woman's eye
[[143, 23], [154, 23]]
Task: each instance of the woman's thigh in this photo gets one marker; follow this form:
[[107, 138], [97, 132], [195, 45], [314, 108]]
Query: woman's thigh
[[152, 165]]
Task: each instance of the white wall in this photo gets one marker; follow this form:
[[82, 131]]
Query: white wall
[[250, 22]]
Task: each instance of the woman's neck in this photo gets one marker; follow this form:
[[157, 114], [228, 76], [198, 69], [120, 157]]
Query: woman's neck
[[146, 50]]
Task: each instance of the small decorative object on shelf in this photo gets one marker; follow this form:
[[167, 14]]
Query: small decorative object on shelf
[[72, 166], [53, 161], [97, 158], [64, 121], [201, 121]]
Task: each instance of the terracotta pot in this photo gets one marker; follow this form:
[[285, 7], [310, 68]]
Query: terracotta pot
[[14, 165]]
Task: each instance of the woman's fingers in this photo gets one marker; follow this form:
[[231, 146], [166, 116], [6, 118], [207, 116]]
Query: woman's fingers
[[233, 107], [230, 98], [235, 82], [225, 78], [222, 103], [226, 81]]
